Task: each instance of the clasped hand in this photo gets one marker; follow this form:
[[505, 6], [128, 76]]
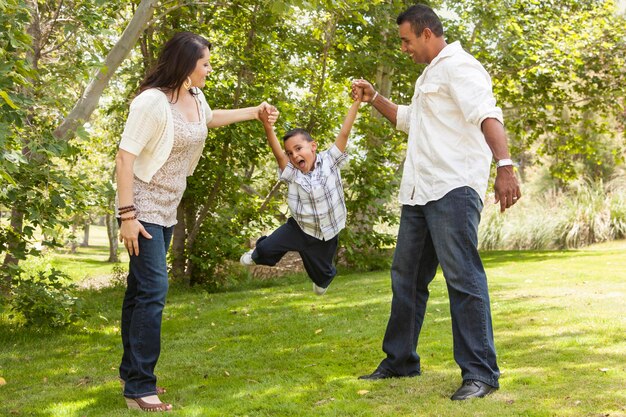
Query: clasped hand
[[267, 113]]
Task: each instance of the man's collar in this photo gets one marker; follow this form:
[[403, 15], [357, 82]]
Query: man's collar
[[447, 51]]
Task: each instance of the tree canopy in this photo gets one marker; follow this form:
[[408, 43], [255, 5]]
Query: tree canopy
[[557, 70]]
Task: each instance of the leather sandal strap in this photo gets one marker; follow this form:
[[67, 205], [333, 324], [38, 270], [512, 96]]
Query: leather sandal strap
[[151, 407]]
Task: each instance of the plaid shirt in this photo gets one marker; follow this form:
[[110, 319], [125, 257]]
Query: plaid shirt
[[316, 199]]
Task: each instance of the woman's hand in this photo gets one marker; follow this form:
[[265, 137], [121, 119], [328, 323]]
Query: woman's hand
[[129, 235], [271, 113]]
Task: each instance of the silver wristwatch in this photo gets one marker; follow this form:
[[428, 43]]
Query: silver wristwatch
[[504, 163]]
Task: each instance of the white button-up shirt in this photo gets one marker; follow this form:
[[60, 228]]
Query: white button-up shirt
[[316, 199], [446, 146]]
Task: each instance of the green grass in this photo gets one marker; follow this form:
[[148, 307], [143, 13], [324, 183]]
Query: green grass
[[88, 265], [559, 318]]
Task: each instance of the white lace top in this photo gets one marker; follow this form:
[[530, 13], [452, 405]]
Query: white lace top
[[158, 200]]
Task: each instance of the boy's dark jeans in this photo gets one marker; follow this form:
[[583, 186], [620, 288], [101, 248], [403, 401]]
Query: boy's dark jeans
[[317, 255]]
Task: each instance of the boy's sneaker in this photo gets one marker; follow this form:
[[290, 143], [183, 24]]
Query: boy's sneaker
[[246, 258], [319, 290]]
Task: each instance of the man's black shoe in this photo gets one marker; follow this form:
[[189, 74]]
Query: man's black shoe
[[472, 388], [382, 374], [378, 374]]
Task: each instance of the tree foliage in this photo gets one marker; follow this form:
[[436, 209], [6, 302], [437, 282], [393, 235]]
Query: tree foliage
[[557, 68], [559, 81]]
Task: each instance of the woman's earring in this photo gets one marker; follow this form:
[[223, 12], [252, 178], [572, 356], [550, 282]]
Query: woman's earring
[[187, 83]]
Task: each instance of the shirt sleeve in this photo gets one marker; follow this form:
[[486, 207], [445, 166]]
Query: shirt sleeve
[[288, 174], [337, 157], [142, 124], [470, 88], [403, 118]]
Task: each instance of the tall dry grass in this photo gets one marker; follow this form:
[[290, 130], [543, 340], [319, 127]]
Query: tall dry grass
[[586, 212]]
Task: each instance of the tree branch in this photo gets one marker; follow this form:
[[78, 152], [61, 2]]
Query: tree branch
[[89, 101], [331, 26], [51, 24]]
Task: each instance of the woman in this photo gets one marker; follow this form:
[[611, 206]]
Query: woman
[[161, 145]]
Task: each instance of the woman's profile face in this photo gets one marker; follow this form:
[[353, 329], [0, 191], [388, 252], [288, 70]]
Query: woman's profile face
[[202, 70]]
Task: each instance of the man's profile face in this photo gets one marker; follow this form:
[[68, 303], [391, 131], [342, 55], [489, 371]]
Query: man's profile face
[[412, 45]]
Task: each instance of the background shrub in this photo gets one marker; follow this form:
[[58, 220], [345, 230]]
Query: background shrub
[[44, 299]]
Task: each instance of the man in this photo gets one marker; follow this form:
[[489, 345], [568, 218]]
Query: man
[[454, 130]]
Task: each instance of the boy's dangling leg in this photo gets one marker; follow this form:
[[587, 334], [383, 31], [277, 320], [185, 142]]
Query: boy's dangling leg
[[318, 263], [270, 249]]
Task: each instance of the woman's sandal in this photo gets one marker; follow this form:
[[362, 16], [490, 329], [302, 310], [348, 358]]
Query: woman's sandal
[[139, 404], [159, 390]]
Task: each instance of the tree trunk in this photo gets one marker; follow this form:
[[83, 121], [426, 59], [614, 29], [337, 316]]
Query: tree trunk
[[178, 244], [89, 101], [189, 213], [111, 223], [85, 242], [73, 243], [14, 245], [17, 216]]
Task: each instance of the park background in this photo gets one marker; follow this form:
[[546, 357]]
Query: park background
[[256, 342]]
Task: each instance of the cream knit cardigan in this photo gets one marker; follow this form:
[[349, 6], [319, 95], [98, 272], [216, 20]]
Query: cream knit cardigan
[[149, 132]]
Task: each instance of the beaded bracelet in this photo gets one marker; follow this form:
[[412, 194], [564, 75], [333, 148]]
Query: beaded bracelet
[[128, 210], [128, 218], [126, 207]]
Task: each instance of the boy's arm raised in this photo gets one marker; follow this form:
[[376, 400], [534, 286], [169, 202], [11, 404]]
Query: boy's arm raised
[[342, 138], [278, 152]]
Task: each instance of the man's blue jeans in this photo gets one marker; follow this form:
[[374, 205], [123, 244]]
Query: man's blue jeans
[[441, 232], [142, 312]]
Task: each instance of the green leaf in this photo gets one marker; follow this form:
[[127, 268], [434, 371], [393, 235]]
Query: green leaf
[[8, 100]]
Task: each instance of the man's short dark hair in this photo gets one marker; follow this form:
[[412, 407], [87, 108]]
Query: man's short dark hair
[[421, 17], [294, 132]]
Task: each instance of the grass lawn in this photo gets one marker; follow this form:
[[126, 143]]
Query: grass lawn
[[88, 264], [559, 318]]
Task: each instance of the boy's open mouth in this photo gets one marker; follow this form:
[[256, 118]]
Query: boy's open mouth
[[301, 164]]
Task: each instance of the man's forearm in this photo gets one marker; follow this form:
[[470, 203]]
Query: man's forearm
[[386, 107], [495, 136]]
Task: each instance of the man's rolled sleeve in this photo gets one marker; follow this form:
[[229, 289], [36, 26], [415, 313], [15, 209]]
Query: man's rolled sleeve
[[403, 118], [493, 113]]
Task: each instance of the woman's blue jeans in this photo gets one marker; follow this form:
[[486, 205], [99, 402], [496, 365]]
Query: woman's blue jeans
[[441, 232], [142, 312]]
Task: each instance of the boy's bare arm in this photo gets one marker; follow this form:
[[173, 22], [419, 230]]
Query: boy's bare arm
[[342, 138], [268, 125], [278, 152]]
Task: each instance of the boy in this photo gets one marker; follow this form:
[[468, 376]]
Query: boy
[[315, 200]]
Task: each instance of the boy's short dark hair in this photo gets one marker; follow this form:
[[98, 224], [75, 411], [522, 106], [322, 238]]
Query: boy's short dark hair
[[421, 17], [294, 132]]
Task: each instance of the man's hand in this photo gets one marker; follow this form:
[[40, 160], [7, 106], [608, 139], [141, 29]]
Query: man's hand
[[366, 88], [506, 187]]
